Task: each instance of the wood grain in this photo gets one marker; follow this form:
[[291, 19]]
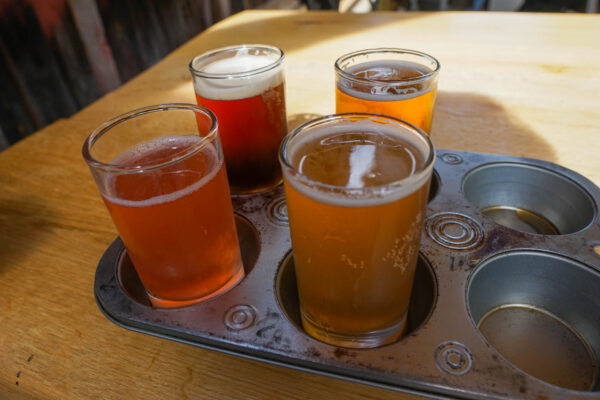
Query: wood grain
[[516, 84]]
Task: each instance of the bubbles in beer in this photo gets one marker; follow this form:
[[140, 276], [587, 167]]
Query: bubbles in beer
[[393, 90], [174, 180], [387, 78], [389, 70], [358, 160], [157, 151]]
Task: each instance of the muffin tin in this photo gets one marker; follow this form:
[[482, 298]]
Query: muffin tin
[[506, 300]]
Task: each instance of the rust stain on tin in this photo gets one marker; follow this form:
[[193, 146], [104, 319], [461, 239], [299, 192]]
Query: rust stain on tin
[[339, 353]]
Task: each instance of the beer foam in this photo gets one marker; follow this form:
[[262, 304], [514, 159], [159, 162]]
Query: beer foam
[[386, 87], [132, 155], [237, 64], [359, 197], [211, 154], [236, 88]]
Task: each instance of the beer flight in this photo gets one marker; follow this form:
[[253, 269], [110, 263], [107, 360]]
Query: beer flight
[[356, 185]]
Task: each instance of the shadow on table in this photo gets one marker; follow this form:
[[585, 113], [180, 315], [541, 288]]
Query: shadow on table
[[23, 225], [473, 122]]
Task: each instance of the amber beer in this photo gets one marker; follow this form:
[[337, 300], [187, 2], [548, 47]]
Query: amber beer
[[244, 87], [395, 82], [356, 187], [169, 200]]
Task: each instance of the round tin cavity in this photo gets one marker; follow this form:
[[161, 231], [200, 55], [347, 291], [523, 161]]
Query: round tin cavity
[[454, 231], [520, 219], [530, 199], [540, 311], [422, 298], [132, 286]]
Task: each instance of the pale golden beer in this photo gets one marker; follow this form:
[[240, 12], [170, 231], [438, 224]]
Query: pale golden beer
[[395, 82], [356, 188]]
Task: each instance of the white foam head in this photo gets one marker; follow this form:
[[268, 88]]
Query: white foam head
[[360, 197], [235, 78]]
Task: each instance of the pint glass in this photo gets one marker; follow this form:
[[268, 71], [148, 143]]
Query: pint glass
[[161, 174], [244, 86], [356, 188], [395, 82]]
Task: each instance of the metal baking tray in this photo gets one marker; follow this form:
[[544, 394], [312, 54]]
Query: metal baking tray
[[506, 300]]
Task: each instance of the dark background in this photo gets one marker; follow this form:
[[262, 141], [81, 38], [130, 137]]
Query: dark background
[[57, 56]]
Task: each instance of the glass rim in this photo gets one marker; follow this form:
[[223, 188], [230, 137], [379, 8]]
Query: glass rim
[[235, 75], [106, 126], [357, 79], [418, 174]]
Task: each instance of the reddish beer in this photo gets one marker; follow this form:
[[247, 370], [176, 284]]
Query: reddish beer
[[165, 233], [244, 87], [356, 206], [394, 82], [169, 199]]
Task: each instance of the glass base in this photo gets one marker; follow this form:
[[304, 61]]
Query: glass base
[[164, 303], [357, 341]]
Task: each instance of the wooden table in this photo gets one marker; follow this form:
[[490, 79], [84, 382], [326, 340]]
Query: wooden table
[[514, 84]]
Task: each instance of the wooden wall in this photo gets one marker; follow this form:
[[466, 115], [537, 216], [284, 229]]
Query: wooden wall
[[57, 56]]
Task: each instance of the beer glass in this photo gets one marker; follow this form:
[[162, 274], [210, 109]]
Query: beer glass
[[160, 172], [356, 187], [395, 82], [244, 86]]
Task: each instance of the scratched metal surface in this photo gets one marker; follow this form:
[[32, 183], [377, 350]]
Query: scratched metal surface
[[443, 354]]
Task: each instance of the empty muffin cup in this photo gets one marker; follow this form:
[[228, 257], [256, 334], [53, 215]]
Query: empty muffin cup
[[541, 312], [529, 198]]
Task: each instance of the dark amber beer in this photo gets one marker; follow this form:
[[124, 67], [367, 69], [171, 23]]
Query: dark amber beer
[[395, 82], [169, 199], [244, 87], [356, 188]]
